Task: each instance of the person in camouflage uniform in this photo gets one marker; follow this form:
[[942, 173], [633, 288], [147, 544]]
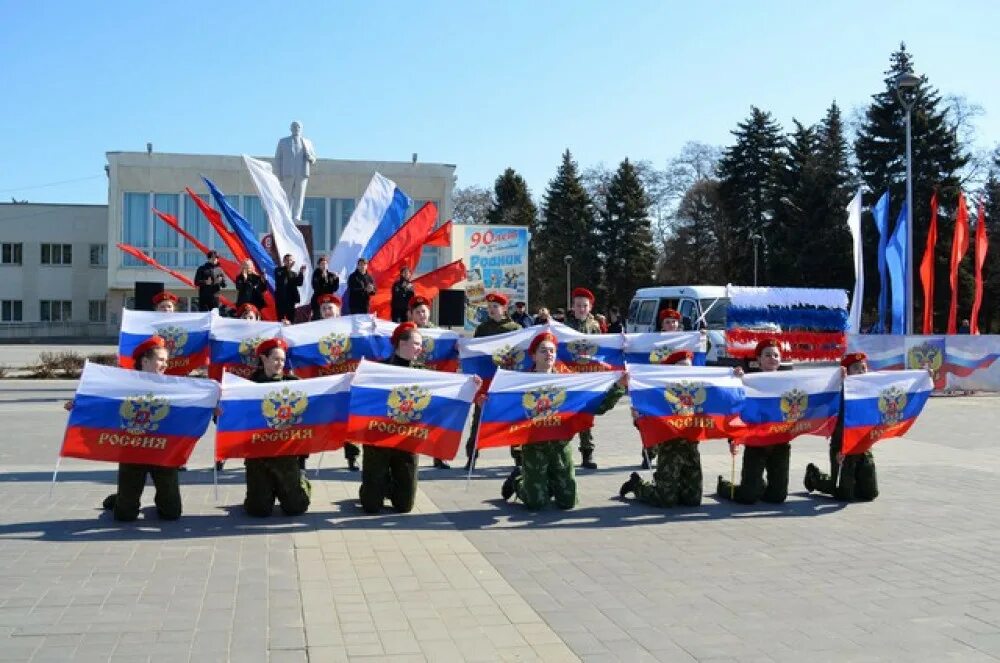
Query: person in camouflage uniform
[[277, 477], [498, 322], [677, 479], [547, 472], [582, 320], [419, 312], [770, 458], [855, 472]]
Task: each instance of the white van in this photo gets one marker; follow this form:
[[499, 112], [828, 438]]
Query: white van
[[700, 306]]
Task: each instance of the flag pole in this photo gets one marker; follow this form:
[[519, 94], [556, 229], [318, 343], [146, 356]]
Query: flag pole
[[319, 464], [215, 481], [55, 473], [732, 477]]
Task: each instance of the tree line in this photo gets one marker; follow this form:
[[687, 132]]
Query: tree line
[[770, 207]]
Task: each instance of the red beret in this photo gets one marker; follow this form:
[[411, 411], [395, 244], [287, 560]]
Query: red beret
[[146, 346], [401, 329], [497, 298], [242, 310], [766, 343], [582, 292], [541, 338], [669, 313], [266, 346], [853, 358], [330, 299], [677, 356], [164, 296], [419, 301]]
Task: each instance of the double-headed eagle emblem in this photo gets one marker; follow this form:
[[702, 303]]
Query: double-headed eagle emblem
[[175, 337], [891, 402], [406, 404], [685, 397], [248, 350], [508, 357], [335, 348], [925, 355], [142, 414], [284, 408], [543, 401], [794, 404], [582, 351]]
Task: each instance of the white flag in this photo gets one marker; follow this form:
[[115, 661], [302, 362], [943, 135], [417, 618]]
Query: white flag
[[854, 224]]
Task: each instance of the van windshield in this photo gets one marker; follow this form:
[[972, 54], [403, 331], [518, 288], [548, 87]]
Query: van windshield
[[715, 318]]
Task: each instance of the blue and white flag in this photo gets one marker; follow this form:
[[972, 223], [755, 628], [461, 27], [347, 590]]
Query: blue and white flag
[[881, 215], [895, 259], [245, 234]]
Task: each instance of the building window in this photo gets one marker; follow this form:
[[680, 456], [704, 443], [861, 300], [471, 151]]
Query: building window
[[98, 310], [12, 310], [98, 255], [12, 253], [129, 303], [56, 311], [57, 254], [314, 214], [325, 235]]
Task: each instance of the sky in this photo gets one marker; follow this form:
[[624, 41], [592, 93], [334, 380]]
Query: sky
[[482, 85]]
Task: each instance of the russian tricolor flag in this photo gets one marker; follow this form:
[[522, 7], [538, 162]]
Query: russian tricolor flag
[[126, 416], [526, 407], [780, 406], [483, 356], [693, 403], [653, 348], [186, 334], [586, 353], [233, 345], [885, 353], [440, 346], [882, 405], [410, 409], [329, 347], [281, 418]]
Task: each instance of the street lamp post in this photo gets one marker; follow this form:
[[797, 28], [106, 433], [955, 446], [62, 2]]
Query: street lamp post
[[908, 80], [568, 259], [756, 242]]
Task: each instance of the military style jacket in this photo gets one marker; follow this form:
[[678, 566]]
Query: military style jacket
[[588, 325], [491, 327]]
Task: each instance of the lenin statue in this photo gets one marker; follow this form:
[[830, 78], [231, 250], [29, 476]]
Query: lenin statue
[[292, 159]]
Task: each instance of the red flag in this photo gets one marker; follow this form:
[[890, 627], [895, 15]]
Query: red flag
[[440, 237], [927, 268], [428, 285], [409, 237], [139, 255], [982, 244], [215, 218], [230, 268], [959, 246]]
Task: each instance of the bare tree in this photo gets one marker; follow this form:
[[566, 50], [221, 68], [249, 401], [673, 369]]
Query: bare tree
[[471, 204]]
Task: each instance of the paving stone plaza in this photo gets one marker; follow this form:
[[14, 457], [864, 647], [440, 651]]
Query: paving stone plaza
[[913, 576]]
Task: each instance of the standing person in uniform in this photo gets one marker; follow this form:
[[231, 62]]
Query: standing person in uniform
[[547, 471], [278, 477], [497, 322], [677, 479], [402, 292], [581, 319], [210, 279], [286, 288], [420, 315], [521, 316], [770, 458], [165, 302], [150, 356], [324, 282], [360, 288], [852, 477], [250, 287]]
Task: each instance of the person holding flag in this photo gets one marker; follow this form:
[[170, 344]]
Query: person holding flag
[[278, 477], [582, 320], [329, 306], [771, 459], [852, 477], [420, 314], [497, 322], [165, 302], [150, 356], [547, 470]]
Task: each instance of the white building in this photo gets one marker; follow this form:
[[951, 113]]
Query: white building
[[53, 270], [140, 181]]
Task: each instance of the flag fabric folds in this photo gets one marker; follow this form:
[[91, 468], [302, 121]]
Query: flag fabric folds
[[245, 235], [215, 220], [281, 418], [440, 346], [427, 285], [331, 346], [895, 258], [409, 237], [483, 356], [654, 348], [186, 334], [982, 245], [882, 405], [125, 416], [881, 215], [780, 406], [526, 407], [233, 345], [854, 225], [287, 237], [410, 409], [585, 353], [959, 245], [927, 270]]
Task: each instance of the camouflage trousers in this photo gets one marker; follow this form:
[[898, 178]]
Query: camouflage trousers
[[547, 473], [388, 473], [772, 459], [677, 479], [857, 478], [276, 478], [132, 480], [587, 441]]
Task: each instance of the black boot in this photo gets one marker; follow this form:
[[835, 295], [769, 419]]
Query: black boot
[[630, 486], [645, 462], [468, 463], [219, 464], [812, 473], [352, 464], [588, 460], [441, 465], [509, 484], [109, 501]]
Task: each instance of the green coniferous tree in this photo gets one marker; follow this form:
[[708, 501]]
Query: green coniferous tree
[[512, 204], [627, 253], [989, 316]]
